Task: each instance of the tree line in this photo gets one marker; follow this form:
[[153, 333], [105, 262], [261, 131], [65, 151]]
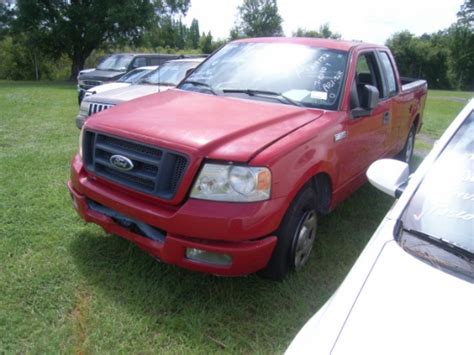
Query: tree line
[[56, 38]]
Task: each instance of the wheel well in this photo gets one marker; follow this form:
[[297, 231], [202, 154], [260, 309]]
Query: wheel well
[[416, 122], [323, 187]]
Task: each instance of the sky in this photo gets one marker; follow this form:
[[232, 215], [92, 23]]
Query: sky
[[366, 20]]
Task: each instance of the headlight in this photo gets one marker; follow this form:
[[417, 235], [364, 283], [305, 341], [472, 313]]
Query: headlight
[[81, 136], [84, 107], [232, 183]]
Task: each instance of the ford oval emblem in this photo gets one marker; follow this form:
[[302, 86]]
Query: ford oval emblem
[[121, 163]]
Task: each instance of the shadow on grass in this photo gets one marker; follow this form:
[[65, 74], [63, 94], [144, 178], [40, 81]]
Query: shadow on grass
[[234, 310]]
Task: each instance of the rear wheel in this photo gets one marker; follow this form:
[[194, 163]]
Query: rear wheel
[[296, 236], [407, 152]]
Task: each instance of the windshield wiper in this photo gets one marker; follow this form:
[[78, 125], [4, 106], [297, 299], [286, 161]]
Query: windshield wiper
[[444, 244], [164, 83], [278, 95], [200, 83], [145, 82]]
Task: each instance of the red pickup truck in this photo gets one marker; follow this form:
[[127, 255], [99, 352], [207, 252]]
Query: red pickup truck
[[228, 173]]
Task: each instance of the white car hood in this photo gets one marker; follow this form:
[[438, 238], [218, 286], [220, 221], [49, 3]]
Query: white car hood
[[106, 87], [126, 94], [404, 306]]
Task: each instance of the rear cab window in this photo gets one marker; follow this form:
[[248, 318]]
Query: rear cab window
[[388, 73]]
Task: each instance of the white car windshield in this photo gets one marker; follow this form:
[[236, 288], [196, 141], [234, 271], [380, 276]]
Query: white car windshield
[[442, 208], [170, 73], [133, 76], [290, 73]]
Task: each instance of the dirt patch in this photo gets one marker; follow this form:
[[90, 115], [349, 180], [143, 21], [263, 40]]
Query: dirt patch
[[79, 316], [427, 142], [425, 138]]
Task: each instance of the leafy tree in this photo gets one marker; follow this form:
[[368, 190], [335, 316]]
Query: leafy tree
[[323, 32], [205, 43], [77, 27], [217, 44], [20, 60], [424, 57], [6, 17], [235, 33], [257, 18], [461, 45], [466, 15], [180, 35], [193, 35]]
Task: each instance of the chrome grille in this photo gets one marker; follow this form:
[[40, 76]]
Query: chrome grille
[[92, 83], [156, 171], [97, 107]]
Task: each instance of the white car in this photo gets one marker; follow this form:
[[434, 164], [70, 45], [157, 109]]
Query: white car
[[167, 76], [126, 80], [412, 289]]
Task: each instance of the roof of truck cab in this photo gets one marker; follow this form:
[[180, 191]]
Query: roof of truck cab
[[314, 42]]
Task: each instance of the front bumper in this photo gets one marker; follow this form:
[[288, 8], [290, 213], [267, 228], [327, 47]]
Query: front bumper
[[247, 256], [210, 229]]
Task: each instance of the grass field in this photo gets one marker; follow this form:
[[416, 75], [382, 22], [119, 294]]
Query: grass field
[[69, 287]]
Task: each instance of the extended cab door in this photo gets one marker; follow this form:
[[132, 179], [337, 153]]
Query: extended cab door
[[395, 108], [365, 136]]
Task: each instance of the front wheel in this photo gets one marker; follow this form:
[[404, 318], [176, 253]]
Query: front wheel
[[296, 236]]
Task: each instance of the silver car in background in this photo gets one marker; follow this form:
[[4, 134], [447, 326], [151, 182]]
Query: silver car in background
[[165, 77], [124, 81]]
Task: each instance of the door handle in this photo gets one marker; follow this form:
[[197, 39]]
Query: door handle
[[386, 117]]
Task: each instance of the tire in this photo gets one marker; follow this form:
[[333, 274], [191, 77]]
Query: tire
[[406, 153], [296, 236]]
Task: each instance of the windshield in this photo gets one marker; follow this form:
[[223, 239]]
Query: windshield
[[116, 62], [442, 207], [133, 76], [170, 73], [309, 76]]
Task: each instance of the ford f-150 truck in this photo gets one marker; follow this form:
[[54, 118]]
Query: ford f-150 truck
[[229, 172]]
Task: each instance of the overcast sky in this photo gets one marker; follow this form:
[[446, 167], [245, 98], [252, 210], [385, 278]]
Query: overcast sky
[[367, 20]]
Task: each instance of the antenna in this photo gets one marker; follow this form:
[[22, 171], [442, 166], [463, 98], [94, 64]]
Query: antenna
[[159, 78]]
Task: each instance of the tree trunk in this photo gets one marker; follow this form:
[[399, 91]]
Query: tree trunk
[[76, 66], [36, 66]]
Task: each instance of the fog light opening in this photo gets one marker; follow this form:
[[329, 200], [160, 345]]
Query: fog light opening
[[208, 257]]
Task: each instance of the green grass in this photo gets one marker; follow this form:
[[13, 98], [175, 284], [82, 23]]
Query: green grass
[[441, 108], [69, 287]]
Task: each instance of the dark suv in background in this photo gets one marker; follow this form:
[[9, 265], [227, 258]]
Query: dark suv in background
[[115, 65]]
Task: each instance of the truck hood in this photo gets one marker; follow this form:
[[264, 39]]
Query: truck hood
[[131, 92], [215, 127], [102, 75]]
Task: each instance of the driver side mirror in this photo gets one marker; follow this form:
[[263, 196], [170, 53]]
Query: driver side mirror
[[368, 98]]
